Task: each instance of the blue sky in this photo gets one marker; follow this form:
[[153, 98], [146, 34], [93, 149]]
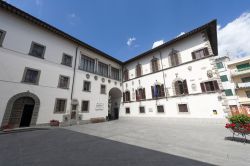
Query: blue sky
[[109, 24]]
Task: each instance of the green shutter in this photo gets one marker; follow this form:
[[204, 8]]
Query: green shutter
[[245, 79], [224, 78], [219, 65], [228, 92], [243, 66]]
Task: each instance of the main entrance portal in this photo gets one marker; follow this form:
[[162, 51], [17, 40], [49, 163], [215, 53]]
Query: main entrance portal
[[115, 96]]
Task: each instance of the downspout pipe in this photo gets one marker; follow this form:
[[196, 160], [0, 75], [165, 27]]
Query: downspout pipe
[[74, 74], [163, 75]]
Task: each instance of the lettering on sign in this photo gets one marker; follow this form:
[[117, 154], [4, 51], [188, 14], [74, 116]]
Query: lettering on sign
[[99, 107]]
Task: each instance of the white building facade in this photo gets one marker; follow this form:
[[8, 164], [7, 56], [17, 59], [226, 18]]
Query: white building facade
[[47, 74]]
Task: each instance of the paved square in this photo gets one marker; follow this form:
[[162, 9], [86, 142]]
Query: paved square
[[198, 139]]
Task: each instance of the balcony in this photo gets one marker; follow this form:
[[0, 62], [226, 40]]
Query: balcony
[[238, 72], [243, 85]]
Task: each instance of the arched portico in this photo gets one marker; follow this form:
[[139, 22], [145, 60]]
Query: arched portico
[[21, 110], [115, 96]]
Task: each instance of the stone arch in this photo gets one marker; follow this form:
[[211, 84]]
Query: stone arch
[[173, 84], [115, 95], [12, 100]]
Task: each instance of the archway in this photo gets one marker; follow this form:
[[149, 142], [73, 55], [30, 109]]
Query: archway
[[115, 96], [21, 110]]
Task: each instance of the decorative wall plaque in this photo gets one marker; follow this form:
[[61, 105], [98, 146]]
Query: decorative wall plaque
[[103, 79], [209, 73], [95, 77], [87, 76], [109, 81]]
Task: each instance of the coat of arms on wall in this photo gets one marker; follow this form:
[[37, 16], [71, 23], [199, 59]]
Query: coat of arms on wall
[[209, 73]]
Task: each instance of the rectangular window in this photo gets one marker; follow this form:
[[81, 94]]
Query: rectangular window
[[87, 64], [140, 94], [245, 79], [248, 94], [103, 69], [63, 82], [86, 86], [209, 86], [115, 73], [125, 73], [37, 50], [142, 110], [200, 53], [31, 76], [224, 78], [2, 35], [160, 109], [244, 66], [60, 106], [85, 106], [103, 89], [126, 96], [183, 107], [219, 65], [127, 110], [67, 60], [154, 65], [228, 92], [138, 70]]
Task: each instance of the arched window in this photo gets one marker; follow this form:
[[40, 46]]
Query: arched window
[[154, 65], [157, 91], [174, 58], [181, 87], [126, 96], [138, 70], [140, 94], [125, 75]]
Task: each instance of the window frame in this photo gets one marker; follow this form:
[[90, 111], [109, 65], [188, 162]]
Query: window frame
[[24, 76], [67, 55], [82, 66], [195, 52], [157, 107], [65, 106], [186, 107], [247, 94], [220, 66], [224, 78], [101, 89], [101, 64], [2, 37], [138, 70], [89, 86], [58, 86], [144, 111], [113, 74], [32, 46], [127, 112], [227, 90], [155, 65], [85, 111]]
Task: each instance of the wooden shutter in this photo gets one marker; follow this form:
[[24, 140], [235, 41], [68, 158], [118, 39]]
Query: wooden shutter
[[176, 87], [185, 88], [136, 94], [162, 93], [143, 94], [216, 86], [206, 53], [203, 87], [124, 96], [152, 90], [193, 56], [128, 96]]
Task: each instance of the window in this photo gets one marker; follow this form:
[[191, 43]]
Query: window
[[63, 82], [174, 58], [245, 79], [181, 87], [67, 60], [183, 107], [200, 53], [60, 106], [224, 78], [87, 64], [85, 106], [103, 89], [37, 50], [103, 69], [142, 109], [244, 66], [138, 70], [126, 75], [127, 110], [157, 91], [126, 96], [2, 35], [31, 76], [160, 109], [248, 94], [115, 73], [140, 94], [86, 86], [219, 65], [228, 92], [154, 65], [209, 86]]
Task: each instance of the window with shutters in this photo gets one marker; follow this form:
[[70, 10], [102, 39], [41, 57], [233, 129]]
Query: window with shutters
[[37, 50], [248, 94], [181, 87], [103, 69], [160, 109], [140, 94], [228, 92], [245, 79], [224, 78], [127, 110], [103, 89], [174, 58], [219, 65], [183, 107], [200, 53], [154, 65], [115, 73], [138, 70], [63, 82], [125, 74], [209, 86], [60, 106], [31, 76], [158, 91], [126, 96], [67, 60], [87, 64], [141, 109], [85, 106], [244, 66], [2, 35]]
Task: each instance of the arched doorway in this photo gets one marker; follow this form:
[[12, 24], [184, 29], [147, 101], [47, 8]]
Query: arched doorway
[[21, 110], [115, 96]]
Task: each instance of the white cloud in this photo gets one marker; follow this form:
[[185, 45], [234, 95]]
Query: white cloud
[[158, 43], [182, 33], [72, 19], [130, 41], [234, 38], [72, 15], [39, 2]]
